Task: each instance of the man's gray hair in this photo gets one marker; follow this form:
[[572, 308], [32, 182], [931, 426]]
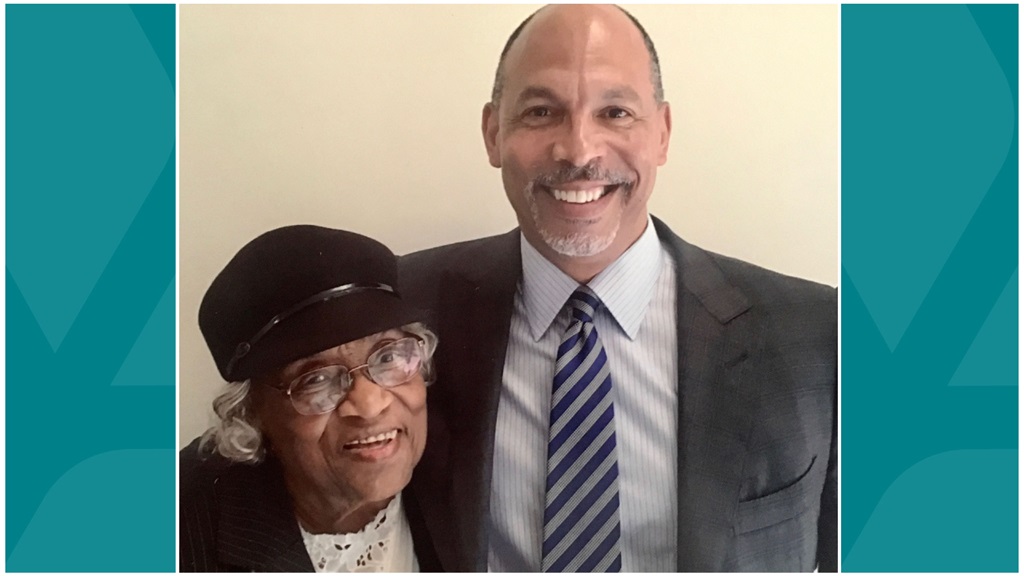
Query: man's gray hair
[[237, 435], [499, 75]]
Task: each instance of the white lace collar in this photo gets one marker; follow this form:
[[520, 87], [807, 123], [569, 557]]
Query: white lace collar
[[383, 545]]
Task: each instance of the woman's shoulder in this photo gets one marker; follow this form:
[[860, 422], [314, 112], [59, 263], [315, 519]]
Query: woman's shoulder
[[199, 467]]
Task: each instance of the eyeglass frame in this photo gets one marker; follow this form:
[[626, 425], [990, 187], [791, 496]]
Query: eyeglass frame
[[287, 391]]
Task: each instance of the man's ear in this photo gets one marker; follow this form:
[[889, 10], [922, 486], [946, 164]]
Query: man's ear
[[489, 127], [665, 128]]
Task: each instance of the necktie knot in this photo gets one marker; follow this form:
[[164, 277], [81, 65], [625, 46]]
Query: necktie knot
[[584, 303]]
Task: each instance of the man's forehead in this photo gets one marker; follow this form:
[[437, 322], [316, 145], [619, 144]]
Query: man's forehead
[[610, 92], [594, 43], [560, 30]]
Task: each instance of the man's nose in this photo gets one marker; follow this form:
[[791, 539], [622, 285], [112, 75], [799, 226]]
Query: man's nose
[[365, 399], [578, 141]]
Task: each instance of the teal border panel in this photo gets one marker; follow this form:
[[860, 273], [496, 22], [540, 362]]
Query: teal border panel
[[90, 230], [929, 288]]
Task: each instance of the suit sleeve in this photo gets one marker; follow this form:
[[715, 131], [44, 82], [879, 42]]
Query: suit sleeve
[[828, 520]]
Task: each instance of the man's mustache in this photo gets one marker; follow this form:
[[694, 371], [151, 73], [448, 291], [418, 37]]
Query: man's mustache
[[589, 171]]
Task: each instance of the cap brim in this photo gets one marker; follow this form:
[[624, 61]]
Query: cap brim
[[323, 326]]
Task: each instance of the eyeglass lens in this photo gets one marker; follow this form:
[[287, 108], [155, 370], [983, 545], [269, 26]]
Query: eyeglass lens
[[323, 389]]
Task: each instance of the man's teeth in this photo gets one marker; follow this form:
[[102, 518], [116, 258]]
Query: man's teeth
[[578, 196], [378, 438]]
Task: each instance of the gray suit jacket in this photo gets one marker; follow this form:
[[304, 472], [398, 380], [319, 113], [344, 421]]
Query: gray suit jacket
[[757, 406]]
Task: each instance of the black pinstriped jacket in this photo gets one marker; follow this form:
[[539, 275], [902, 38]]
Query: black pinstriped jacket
[[239, 518]]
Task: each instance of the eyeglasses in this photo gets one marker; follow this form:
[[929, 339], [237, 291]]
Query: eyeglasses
[[323, 389]]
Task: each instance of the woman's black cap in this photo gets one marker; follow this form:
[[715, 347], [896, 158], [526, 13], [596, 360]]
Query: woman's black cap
[[296, 291]]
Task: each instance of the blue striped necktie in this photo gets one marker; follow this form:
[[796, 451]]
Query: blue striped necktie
[[581, 507]]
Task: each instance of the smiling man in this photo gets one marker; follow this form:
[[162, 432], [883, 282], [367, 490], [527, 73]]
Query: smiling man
[[609, 396], [578, 129]]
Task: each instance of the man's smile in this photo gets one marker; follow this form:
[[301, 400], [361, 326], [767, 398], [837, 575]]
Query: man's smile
[[581, 196]]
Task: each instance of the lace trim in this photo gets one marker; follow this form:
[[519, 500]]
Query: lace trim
[[363, 551]]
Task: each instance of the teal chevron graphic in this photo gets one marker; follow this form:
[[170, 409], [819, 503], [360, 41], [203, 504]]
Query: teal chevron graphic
[[122, 476], [90, 227], [985, 363], [929, 288], [925, 492], [148, 363]]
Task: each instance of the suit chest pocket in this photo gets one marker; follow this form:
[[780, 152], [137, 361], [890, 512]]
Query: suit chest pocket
[[781, 505]]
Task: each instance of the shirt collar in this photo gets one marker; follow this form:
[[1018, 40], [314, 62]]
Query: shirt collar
[[625, 286]]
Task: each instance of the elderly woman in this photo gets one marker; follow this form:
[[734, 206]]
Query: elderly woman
[[324, 416]]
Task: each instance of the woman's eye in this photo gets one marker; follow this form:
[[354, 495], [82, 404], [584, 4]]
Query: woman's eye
[[386, 358], [312, 382]]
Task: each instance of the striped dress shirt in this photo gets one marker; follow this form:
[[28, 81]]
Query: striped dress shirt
[[638, 329]]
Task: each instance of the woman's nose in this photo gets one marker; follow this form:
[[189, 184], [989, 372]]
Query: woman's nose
[[365, 399]]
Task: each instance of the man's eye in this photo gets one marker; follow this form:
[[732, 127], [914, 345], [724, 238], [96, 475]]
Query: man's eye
[[617, 113], [540, 116]]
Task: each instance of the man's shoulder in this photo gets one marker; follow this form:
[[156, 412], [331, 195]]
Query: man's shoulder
[[753, 281], [449, 254], [790, 309], [763, 283], [422, 269], [728, 286]]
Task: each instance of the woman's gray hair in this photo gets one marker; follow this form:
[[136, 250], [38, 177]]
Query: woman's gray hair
[[237, 436]]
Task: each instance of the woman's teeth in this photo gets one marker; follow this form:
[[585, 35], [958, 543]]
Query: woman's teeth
[[578, 196], [384, 437]]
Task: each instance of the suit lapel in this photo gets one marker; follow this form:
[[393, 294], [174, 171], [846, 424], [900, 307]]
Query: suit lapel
[[475, 305], [716, 336], [257, 529]]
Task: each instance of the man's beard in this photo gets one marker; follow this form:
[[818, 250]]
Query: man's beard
[[575, 244]]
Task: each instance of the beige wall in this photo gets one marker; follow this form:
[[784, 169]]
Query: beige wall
[[367, 118]]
